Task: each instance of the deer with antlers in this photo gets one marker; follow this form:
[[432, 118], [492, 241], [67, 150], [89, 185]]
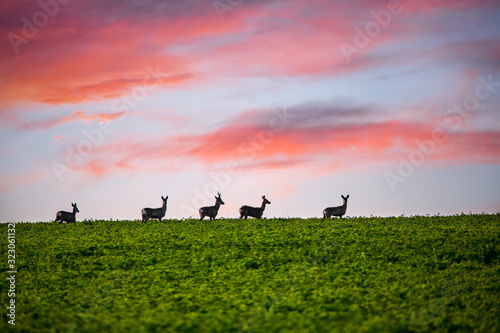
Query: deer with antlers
[[211, 211]]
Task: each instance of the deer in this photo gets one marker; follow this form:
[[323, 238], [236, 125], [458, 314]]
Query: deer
[[336, 211], [211, 211], [246, 211], [155, 213], [62, 216]]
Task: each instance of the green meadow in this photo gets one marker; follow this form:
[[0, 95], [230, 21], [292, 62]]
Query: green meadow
[[398, 274]]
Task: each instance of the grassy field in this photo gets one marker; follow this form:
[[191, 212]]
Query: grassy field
[[413, 274]]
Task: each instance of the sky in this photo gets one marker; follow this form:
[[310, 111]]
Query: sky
[[112, 104]]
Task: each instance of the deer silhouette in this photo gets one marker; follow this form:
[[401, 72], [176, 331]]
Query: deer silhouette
[[155, 213], [246, 211], [62, 216], [336, 211], [211, 211]]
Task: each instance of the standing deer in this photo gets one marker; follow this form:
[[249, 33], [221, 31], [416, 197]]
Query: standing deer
[[336, 211], [62, 216], [211, 211], [155, 213], [246, 211]]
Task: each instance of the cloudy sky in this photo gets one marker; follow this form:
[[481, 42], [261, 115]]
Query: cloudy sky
[[112, 104]]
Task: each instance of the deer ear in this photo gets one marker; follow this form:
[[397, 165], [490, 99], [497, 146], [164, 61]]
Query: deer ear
[[347, 196], [263, 197], [166, 197]]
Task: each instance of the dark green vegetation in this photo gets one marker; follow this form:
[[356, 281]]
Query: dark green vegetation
[[415, 274]]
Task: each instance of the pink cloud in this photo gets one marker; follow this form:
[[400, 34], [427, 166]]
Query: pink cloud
[[96, 50], [312, 135], [53, 122], [10, 181], [101, 117]]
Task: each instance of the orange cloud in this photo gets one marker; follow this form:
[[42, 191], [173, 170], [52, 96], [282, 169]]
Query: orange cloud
[[52, 122], [101, 117]]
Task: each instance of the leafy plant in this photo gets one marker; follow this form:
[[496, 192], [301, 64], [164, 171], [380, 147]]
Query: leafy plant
[[404, 274]]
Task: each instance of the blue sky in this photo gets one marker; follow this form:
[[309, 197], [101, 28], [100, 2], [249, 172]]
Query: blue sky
[[176, 94]]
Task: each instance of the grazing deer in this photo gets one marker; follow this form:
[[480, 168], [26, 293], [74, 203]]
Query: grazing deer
[[336, 211], [67, 216], [211, 211], [155, 213], [246, 211]]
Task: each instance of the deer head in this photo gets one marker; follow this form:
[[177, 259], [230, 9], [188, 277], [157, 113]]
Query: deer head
[[218, 199]]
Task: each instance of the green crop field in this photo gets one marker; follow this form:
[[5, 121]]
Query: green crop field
[[400, 274]]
